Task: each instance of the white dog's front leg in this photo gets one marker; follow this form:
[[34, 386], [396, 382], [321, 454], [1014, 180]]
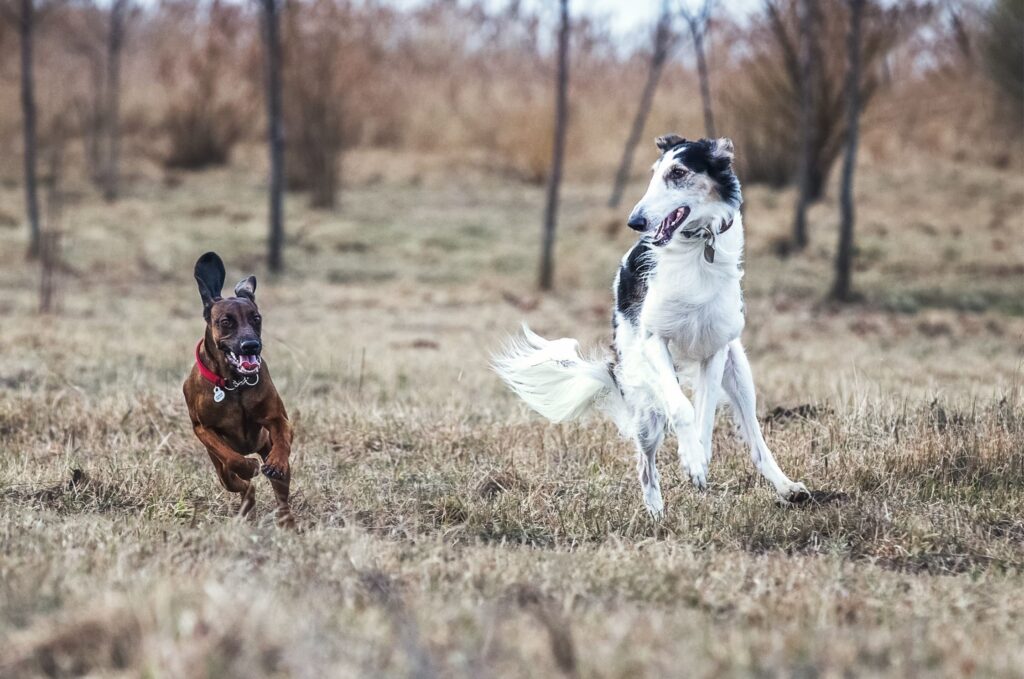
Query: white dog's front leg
[[706, 396], [679, 410]]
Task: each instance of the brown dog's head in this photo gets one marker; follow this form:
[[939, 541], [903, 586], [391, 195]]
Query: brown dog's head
[[233, 324]]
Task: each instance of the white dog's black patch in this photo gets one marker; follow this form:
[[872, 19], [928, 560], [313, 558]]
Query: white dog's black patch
[[631, 284], [702, 156]]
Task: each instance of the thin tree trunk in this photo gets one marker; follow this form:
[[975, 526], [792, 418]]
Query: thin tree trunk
[[842, 289], [115, 44], [555, 178], [705, 81], [49, 248], [805, 161], [94, 138], [662, 41], [275, 132], [28, 109]]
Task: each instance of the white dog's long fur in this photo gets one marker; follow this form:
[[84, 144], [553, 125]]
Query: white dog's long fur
[[675, 301]]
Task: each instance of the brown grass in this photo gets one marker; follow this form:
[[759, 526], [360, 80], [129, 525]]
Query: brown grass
[[446, 531]]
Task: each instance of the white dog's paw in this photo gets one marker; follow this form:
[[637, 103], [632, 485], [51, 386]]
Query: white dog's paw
[[654, 504], [695, 466], [694, 462], [795, 493], [698, 477]]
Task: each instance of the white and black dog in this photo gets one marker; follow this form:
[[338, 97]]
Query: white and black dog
[[677, 298]]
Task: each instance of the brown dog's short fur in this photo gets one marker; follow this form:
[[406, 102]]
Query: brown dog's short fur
[[249, 419]]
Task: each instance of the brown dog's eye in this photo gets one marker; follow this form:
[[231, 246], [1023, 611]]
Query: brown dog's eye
[[226, 322]]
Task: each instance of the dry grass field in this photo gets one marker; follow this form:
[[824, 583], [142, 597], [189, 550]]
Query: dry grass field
[[445, 530]]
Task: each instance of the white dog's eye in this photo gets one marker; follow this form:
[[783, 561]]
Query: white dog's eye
[[678, 172]]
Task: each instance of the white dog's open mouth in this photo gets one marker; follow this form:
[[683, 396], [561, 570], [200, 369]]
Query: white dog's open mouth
[[668, 226], [245, 365]]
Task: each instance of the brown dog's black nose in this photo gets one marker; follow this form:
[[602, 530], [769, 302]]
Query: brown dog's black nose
[[250, 347], [637, 222]]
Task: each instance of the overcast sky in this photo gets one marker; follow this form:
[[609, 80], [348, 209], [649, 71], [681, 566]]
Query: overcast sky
[[628, 15], [624, 16]]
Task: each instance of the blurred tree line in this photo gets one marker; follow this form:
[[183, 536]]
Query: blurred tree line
[[181, 83]]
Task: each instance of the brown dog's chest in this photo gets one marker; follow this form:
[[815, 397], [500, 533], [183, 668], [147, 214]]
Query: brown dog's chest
[[236, 419]]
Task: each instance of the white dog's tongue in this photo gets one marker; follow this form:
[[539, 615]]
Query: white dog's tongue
[[668, 226]]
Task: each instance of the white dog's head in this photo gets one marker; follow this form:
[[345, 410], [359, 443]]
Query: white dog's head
[[693, 184]]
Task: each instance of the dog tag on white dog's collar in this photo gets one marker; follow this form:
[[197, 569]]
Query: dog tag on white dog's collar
[[218, 394]]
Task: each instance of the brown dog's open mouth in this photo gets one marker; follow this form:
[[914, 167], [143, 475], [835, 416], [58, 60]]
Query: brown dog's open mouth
[[245, 365], [668, 226]]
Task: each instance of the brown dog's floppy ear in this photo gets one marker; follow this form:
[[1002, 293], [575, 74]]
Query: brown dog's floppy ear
[[246, 288], [210, 277], [668, 141]]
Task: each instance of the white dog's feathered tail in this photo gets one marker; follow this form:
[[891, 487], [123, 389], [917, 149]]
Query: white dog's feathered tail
[[556, 380]]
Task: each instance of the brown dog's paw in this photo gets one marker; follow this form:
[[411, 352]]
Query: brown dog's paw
[[286, 520], [276, 470]]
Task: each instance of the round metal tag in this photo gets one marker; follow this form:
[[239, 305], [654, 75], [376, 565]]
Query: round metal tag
[[218, 394]]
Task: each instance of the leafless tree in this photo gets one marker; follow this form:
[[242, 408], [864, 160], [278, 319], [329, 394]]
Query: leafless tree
[[805, 160], [25, 14], [49, 248], [118, 20], [664, 39], [699, 22], [555, 177], [275, 130], [842, 289]]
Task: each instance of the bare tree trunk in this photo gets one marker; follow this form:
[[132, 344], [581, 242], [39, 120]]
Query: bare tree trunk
[[662, 46], [698, 33], [115, 45], [93, 139], [275, 131], [49, 248], [805, 164], [842, 289], [26, 29], [555, 178]]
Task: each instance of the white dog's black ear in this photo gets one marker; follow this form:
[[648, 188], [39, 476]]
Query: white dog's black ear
[[669, 141], [209, 273], [724, 149], [246, 288]]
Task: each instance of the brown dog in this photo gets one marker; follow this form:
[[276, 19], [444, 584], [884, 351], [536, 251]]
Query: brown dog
[[231, 399]]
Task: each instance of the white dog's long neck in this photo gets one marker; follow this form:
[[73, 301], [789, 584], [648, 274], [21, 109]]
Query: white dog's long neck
[[695, 303]]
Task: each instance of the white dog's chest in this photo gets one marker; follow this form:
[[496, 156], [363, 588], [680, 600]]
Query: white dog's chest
[[697, 321]]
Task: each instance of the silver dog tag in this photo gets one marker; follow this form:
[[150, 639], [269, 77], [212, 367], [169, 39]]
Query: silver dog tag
[[218, 394]]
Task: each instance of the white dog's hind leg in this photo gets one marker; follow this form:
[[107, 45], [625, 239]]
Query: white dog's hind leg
[[649, 434], [738, 382], [706, 395], [680, 411]]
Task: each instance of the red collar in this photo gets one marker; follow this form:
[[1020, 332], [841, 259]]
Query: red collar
[[208, 374]]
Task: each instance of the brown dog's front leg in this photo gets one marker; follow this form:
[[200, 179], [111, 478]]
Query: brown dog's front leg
[[233, 469], [231, 460], [275, 452], [275, 465]]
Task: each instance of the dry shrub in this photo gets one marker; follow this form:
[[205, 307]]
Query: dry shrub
[[1003, 50], [765, 109], [207, 116], [328, 59]]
